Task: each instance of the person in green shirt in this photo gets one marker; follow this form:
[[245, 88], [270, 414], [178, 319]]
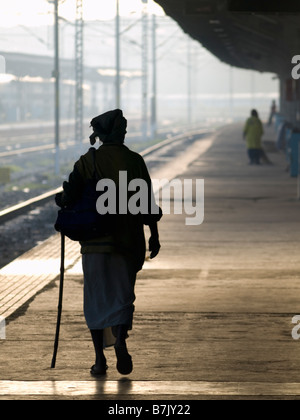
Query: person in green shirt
[[253, 132]]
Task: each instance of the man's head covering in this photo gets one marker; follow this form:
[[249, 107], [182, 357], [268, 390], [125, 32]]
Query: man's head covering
[[109, 127]]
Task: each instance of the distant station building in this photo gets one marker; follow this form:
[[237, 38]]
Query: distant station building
[[26, 90]]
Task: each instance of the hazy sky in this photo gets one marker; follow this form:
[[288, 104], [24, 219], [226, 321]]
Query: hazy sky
[[39, 12]]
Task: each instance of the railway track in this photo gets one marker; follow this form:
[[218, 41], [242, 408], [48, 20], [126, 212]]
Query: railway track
[[12, 212], [64, 144]]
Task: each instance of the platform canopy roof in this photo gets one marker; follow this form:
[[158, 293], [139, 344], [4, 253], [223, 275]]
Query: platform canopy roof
[[31, 65], [262, 35]]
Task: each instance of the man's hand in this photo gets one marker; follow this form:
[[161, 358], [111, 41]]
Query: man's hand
[[154, 246]]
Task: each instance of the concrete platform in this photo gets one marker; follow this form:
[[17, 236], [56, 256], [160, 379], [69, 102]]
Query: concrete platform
[[213, 312]]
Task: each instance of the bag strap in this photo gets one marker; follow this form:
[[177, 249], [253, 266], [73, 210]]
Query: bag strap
[[95, 173]]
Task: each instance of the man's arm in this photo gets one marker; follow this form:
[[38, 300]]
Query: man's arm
[[154, 245], [246, 129], [72, 189]]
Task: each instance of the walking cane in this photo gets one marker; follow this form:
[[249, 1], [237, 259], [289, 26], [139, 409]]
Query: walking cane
[[61, 289]]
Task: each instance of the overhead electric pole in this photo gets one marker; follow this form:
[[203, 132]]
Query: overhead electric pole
[[231, 101], [79, 71], [118, 79], [189, 82], [145, 70], [154, 81], [57, 82]]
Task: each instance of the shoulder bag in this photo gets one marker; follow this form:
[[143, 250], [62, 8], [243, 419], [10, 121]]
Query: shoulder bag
[[81, 221]]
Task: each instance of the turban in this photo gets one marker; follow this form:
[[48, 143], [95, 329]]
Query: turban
[[109, 127]]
